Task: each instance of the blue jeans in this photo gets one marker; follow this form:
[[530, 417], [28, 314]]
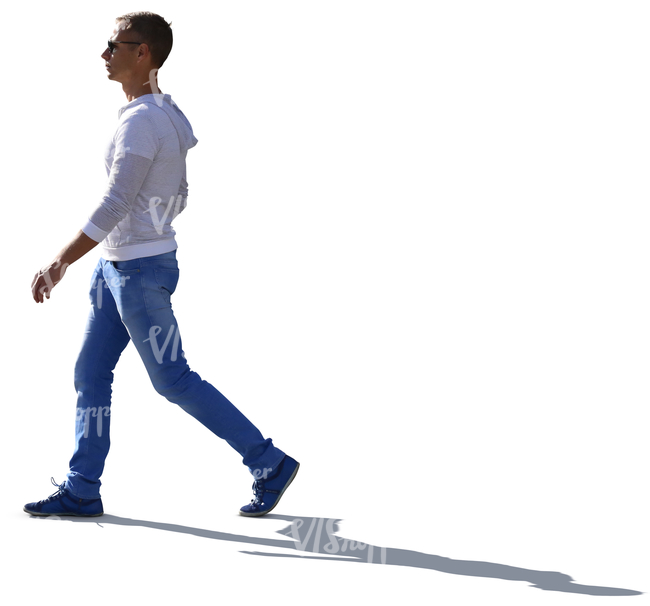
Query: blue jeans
[[131, 302]]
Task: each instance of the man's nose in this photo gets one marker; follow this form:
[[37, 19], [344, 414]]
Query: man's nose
[[106, 55]]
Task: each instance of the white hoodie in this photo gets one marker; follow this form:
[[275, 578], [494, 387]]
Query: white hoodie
[[147, 184]]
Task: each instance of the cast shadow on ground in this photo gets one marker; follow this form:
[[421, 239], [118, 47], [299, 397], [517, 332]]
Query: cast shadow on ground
[[316, 538]]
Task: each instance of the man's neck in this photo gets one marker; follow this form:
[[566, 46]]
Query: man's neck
[[133, 91]]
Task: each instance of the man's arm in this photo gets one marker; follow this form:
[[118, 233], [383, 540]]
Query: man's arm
[[50, 275], [136, 145], [125, 180]]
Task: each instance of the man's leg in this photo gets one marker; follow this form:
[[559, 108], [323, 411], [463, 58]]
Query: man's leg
[[105, 338], [142, 289]]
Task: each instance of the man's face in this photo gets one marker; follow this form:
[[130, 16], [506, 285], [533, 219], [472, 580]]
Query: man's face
[[122, 61]]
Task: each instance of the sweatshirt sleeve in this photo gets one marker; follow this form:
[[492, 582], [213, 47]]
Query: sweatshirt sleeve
[[125, 180], [182, 196], [136, 146]]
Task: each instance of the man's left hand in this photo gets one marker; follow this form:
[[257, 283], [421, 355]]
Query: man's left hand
[[46, 279]]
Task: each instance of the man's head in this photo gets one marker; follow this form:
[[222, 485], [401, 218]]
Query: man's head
[[140, 44], [152, 30]]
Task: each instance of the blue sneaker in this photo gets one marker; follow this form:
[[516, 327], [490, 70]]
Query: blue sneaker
[[268, 492], [64, 503]]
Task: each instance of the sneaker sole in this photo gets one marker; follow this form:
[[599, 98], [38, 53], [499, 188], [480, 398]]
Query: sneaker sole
[[263, 513], [56, 515]]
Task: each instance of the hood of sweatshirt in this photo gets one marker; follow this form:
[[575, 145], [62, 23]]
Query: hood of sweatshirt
[[177, 117]]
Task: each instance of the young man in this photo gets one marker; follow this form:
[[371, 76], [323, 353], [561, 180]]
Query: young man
[[135, 278]]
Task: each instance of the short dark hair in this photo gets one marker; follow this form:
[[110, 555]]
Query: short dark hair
[[153, 31]]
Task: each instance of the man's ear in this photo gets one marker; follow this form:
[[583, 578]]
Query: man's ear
[[143, 52]]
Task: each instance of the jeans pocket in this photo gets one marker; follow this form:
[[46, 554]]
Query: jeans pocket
[[125, 268], [167, 279]]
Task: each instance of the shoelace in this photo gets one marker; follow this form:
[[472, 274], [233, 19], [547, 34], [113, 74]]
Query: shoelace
[[258, 489], [58, 493]]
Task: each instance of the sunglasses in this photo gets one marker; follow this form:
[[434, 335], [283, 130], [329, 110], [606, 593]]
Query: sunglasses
[[112, 43]]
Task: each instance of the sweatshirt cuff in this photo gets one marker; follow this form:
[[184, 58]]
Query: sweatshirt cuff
[[93, 232]]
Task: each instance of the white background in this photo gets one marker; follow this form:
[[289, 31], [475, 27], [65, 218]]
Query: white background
[[415, 254]]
